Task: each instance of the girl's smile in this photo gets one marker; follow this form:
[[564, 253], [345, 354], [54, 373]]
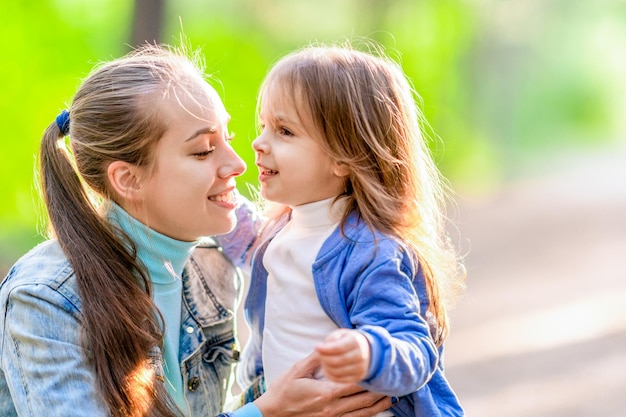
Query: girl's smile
[[266, 173]]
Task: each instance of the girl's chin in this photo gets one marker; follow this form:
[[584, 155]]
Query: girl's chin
[[273, 197]]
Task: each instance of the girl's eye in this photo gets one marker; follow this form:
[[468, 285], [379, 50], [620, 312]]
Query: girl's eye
[[285, 132], [230, 137], [205, 153]]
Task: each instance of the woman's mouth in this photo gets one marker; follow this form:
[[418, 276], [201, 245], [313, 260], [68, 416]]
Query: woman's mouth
[[228, 198]]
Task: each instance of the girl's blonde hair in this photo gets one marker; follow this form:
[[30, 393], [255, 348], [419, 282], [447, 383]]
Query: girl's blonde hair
[[365, 112], [115, 115]]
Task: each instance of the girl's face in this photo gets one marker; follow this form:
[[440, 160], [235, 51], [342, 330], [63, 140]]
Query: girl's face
[[190, 192], [293, 167]]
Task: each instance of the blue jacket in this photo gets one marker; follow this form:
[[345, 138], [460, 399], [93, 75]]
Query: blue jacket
[[370, 281], [43, 368]]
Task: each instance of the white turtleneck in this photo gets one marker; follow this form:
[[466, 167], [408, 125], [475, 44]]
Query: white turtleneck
[[294, 319]]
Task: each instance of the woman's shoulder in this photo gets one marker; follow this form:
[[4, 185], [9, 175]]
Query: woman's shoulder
[[42, 282], [44, 264]]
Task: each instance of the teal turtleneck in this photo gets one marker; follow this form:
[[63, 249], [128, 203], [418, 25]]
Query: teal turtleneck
[[164, 258]]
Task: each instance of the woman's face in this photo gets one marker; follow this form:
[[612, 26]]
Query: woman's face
[[189, 193]]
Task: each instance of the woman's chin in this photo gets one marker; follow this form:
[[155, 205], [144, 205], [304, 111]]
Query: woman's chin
[[226, 227]]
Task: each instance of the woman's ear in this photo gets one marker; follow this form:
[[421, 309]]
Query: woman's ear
[[125, 180]]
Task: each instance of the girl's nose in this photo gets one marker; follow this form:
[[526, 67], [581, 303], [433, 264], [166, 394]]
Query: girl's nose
[[259, 144]]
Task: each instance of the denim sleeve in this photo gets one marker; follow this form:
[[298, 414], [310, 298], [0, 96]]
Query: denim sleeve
[[42, 360]]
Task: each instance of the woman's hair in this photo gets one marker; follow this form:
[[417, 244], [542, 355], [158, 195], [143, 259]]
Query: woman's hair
[[364, 110], [114, 116]]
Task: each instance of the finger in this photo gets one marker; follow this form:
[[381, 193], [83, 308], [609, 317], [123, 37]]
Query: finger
[[346, 390], [334, 347], [340, 361], [364, 404], [345, 379], [345, 374], [335, 335], [332, 367], [306, 367]]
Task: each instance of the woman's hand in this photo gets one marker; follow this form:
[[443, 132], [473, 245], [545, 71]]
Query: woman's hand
[[296, 393]]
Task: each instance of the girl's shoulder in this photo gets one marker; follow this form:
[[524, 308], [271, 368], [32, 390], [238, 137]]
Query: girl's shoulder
[[356, 231], [355, 237]]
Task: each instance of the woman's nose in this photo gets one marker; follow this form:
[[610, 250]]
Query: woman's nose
[[232, 165]]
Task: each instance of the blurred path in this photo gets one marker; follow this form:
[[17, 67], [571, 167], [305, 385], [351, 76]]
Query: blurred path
[[541, 330]]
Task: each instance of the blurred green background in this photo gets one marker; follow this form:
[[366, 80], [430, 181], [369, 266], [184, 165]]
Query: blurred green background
[[511, 88], [502, 82]]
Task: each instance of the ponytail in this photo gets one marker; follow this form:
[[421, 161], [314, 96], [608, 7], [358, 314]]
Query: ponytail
[[120, 323]]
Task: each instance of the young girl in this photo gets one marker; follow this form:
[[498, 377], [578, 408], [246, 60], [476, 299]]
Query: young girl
[[127, 311], [357, 267]]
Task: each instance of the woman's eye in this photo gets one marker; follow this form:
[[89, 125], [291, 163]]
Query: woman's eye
[[204, 153], [230, 137]]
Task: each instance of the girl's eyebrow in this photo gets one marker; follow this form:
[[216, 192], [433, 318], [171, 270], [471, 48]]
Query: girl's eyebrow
[[203, 131], [277, 118]]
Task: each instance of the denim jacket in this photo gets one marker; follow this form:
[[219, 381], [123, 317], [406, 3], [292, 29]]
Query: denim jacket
[[43, 368], [369, 281]]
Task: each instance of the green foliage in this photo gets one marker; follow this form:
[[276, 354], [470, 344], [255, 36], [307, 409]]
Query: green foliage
[[497, 79], [47, 48]]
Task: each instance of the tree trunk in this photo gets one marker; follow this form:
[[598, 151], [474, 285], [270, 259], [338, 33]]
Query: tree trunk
[[147, 22]]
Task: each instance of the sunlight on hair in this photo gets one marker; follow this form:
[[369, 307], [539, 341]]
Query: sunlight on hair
[[140, 387], [64, 145]]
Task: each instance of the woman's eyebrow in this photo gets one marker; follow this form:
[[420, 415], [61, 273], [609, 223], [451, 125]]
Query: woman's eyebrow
[[203, 131]]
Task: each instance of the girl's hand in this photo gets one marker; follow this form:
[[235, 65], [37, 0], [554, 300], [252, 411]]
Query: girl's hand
[[345, 356], [297, 394]]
